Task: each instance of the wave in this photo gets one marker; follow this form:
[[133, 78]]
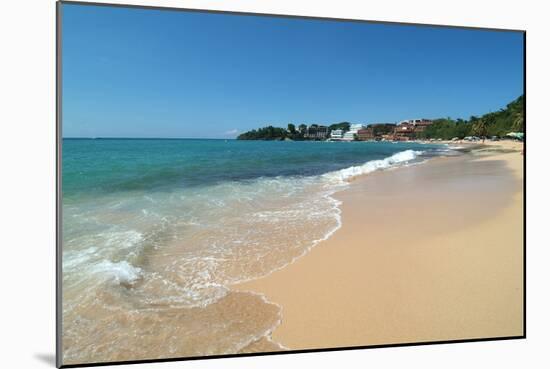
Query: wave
[[121, 272], [335, 180], [399, 158], [279, 209], [182, 250]]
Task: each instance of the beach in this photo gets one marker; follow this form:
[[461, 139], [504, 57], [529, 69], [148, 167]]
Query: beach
[[426, 252], [157, 231], [205, 247], [247, 190]]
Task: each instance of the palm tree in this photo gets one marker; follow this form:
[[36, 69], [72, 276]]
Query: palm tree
[[519, 122], [480, 128]]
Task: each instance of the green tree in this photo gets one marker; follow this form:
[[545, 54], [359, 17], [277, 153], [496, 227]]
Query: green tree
[[344, 126], [481, 127], [496, 123], [519, 122]]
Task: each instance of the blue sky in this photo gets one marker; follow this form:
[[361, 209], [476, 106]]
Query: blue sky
[[150, 73]]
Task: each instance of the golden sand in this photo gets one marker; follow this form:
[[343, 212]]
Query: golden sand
[[426, 253]]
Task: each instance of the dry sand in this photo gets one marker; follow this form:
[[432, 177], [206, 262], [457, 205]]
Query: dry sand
[[428, 252]]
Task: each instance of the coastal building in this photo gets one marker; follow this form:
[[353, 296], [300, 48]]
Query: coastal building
[[351, 134], [375, 131], [336, 134], [415, 122], [408, 129], [404, 132], [365, 134], [421, 124], [316, 132]]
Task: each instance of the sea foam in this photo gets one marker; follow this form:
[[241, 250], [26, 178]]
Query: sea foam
[[120, 272], [182, 247], [401, 157]]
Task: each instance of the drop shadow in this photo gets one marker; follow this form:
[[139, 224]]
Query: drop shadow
[[46, 358]]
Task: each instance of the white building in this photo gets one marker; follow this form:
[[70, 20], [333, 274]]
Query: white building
[[416, 122], [336, 134], [350, 135]]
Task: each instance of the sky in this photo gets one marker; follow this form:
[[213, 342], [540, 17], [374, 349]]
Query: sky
[[130, 72]]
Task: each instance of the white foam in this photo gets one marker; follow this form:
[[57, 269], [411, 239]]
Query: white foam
[[124, 240], [121, 272], [200, 271], [373, 165], [73, 258]]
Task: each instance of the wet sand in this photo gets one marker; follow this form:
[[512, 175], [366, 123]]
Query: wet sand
[[426, 253]]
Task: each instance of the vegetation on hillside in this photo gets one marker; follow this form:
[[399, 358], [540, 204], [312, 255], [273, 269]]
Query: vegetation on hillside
[[344, 126], [291, 132], [382, 129], [265, 133], [499, 123]]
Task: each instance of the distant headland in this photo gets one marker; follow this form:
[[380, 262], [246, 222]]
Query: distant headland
[[509, 120]]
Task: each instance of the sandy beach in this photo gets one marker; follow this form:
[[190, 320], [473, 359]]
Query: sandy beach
[[425, 253]]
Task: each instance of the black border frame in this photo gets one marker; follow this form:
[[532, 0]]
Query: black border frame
[[59, 140]]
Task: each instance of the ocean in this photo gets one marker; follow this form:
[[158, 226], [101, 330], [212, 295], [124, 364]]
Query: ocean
[[155, 232]]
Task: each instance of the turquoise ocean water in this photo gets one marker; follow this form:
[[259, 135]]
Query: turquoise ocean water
[[156, 231]]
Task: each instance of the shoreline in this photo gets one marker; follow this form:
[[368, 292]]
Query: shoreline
[[334, 301], [238, 321]]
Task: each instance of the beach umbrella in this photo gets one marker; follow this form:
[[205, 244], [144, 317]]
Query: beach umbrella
[[518, 135]]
